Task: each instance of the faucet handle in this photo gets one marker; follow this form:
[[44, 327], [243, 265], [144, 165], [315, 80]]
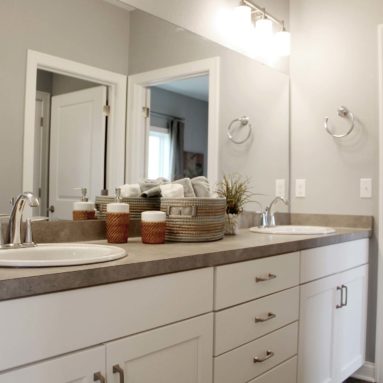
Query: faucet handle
[[28, 233]]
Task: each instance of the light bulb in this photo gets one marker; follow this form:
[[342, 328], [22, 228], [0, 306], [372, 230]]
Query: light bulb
[[264, 28], [282, 43], [242, 16]]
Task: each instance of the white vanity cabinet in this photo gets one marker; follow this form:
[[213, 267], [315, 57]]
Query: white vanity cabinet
[[333, 312], [256, 314], [143, 329], [80, 367]]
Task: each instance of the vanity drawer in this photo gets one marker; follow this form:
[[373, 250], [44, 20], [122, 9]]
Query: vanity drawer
[[239, 365], [244, 281], [284, 373], [322, 261], [238, 325]]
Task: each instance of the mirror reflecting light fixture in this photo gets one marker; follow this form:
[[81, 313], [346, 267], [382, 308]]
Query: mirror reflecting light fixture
[[264, 40]]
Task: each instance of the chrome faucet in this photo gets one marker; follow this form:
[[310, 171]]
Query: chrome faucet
[[267, 218], [15, 219]]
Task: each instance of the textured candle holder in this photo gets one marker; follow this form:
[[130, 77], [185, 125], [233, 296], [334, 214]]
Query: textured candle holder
[[153, 227]]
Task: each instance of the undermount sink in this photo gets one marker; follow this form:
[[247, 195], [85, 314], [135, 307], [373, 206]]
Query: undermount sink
[[293, 229], [66, 254]]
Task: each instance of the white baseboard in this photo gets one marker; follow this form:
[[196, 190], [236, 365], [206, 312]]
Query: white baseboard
[[366, 372]]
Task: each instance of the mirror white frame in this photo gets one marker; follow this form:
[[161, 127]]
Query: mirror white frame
[[117, 118], [136, 133]]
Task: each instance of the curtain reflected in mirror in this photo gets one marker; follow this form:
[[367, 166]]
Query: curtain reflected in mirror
[[178, 128]]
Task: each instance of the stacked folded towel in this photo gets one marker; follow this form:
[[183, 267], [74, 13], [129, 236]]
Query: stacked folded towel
[[161, 187]]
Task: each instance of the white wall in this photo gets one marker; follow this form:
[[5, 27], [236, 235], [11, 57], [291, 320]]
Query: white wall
[[334, 62], [211, 18]]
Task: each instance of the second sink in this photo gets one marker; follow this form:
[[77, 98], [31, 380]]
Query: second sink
[[293, 229]]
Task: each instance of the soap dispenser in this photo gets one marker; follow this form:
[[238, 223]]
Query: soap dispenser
[[117, 220], [83, 209]]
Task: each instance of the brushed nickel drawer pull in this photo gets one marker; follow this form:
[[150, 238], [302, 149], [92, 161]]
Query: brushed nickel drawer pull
[[269, 354], [346, 298], [98, 377], [118, 370], [265, 279], [265, 318], [339, 306]]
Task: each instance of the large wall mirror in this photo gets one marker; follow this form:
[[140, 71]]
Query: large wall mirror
[[201, 102]]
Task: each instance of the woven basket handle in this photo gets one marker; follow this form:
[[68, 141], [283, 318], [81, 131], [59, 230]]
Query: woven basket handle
[[182, 211]]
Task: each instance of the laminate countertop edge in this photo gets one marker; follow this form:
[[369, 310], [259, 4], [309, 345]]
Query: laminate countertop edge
[[151, 260]]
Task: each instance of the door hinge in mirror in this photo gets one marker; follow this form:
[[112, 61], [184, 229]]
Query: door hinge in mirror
[[146, 111], [106, 110]]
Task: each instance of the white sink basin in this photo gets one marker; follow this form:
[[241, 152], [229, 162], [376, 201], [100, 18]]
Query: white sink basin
[[65, 254], [293, 229]]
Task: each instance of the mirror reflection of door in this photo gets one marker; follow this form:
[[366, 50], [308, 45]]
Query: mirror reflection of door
[[177, 127], [72, 147]]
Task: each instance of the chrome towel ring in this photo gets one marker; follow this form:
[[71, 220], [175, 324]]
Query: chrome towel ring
[[243, 121], [344, 113]]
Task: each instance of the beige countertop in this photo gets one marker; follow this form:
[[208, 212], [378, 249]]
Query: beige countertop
[[150, 260]]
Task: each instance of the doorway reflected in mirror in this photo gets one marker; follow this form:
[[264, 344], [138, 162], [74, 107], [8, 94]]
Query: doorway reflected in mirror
[[178, 128]]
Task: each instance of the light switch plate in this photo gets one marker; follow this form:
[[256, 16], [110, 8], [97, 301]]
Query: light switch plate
[[280, 188], [300, 188], [365, 188]]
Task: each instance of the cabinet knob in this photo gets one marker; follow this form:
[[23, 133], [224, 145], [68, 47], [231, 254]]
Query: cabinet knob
[[265, 318], [268, 355], [118, 370], [266, 278], [98, 377]]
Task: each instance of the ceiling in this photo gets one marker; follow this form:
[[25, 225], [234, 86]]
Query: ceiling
[[195, 87]]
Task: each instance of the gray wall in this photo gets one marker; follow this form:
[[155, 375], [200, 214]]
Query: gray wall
[[195, 113], [334, 62], [88, 31], [246, 88]]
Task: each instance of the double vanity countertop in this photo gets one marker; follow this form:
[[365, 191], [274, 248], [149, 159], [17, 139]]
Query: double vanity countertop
[[150, 260]]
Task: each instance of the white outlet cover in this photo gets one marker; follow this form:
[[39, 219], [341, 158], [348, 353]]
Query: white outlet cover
[[300, 188], [365, 188]]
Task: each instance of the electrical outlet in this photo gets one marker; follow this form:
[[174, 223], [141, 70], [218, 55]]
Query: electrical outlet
[[300, 188], [365, 188], [280, 188]]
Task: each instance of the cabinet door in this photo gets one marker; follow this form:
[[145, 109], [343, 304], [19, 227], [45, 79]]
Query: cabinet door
[[180, 353], [350, 324], [316, 332], [78, 367]]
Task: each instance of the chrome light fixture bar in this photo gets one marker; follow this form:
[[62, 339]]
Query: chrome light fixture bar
[[262, 13]]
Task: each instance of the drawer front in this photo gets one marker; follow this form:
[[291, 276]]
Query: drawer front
[[244, 281], [240, 366], [244, 323], [323, 261], [284, 373], [106, 312]]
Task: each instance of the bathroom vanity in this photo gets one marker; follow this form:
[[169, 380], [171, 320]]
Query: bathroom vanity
[[251, 308]]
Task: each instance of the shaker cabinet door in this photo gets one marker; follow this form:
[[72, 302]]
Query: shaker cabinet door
[[316, 332], [181, 352], [79, 367]]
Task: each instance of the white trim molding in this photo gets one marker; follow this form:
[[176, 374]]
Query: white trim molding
[[379, 320], [117, 121], [136, 134], [366, 372]]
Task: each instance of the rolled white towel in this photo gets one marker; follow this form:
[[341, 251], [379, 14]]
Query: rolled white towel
[[130, 190], [172, 191]]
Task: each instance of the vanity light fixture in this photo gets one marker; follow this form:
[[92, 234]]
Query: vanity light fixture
[[264, 21]]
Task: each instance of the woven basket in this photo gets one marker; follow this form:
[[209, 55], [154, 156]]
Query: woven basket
[[136, 206], [194, 219]]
